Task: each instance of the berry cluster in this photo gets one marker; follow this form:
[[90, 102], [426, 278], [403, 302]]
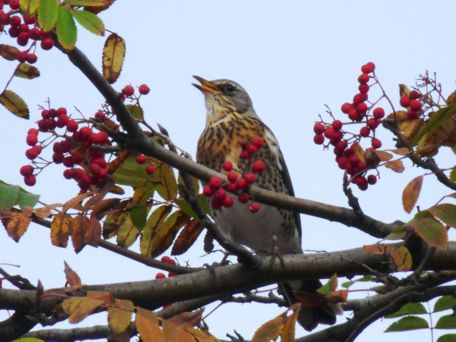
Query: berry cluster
[[168, 260], [237, 184], [129, 90], [142, 159], [24, 29], [412, 103], [346, 144]]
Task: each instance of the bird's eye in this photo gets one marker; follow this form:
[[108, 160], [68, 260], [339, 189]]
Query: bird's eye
[[228, 88]]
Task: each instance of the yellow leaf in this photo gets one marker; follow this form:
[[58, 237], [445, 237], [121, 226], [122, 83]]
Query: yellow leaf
[[127, 233], [113, 57], [167, 188], [17, 224], [119, 315], [271, 329], [430, 229], [27, 71], [60, 230], [14, 103], [288, 332], [411, 193], [78, 308], [148, 327]]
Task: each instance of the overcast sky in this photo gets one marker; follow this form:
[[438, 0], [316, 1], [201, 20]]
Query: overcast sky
[[291, 56]]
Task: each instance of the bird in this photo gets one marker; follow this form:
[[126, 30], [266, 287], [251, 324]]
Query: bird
[[231, 123]]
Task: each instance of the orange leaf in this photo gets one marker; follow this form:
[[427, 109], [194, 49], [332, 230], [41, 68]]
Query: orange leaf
[[84, 231], [376, 249], [411, 193], [402, 151], [401, 258], [271, 329], [60, 230], [119, 315], [76, 200], [78, 308], [17, 224], [148, 327], [199, 335], [337, 296], [105, 296], [71, 276], [187, 319], [383, 156], [187, 237], [288, 331], [430, 229], [395, 165]]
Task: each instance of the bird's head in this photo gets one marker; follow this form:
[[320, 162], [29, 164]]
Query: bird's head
[[223, 97]]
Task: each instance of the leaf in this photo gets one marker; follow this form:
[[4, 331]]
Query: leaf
[[26, 71], [397, 233], [447, 338], [78, 308], [148, 327], [105, 296], [408, 323], [94, 3], [437, 119], [66, 29], [17, 224], [377, 249], [138, 216], [187, 237], [383, 156], [136, 112], [445, 212], [288, 331], [113, 57], [60, 230], [134, 174], [9, 52], [28, 339], [10, 195], [89, 21], [45, 211], [187, 319], [71, 276], [127, 232], [402, 151], [395, 165], [48, 12], [14, 103], [75, 201], [167, 188], [401, 258], [119, 315], [453, 175], [430, 229], [29, 6], [445, 303], [411, 193], [446, 322], [270, 330], [409, 309], [330, 285], [79, 225]]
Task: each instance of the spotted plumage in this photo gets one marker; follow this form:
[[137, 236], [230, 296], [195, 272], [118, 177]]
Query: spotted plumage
[[231, 124]]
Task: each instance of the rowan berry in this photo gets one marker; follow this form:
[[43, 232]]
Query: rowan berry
[[258, 166], [144, 89], [319, 128], [150, 169], [227, 166], [141, 158], [254, 207], [215, 183], [26, 170]]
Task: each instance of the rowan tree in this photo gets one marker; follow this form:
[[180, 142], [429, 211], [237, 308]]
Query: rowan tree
[[135, 184]]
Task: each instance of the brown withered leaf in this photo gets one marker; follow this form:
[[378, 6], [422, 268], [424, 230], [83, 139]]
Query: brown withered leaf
[[148, 326], [401, 258], [93, 232], [411, 193], [119, 315], [75, 201], [45, 211], [100, 209], [376, 249], [192, 335], [187, 319], [113, 57], [78, 308], [395, 165], [98, 8], [187, 237], [402, 151], [79, 225], [71, 276], [60, 230], [16, 224], [409, 128], [9, 52], [27, 71], [359, 152], [383, 156]]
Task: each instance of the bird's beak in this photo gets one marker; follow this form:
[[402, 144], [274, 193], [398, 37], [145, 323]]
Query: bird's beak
[[206, 87]]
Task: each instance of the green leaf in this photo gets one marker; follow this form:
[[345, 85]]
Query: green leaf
[[453, 175], [447, 338], [437, 120], [330, 285], [133, 174], [28, 339], [408, 323], [397, 233], [14, 103], [11, 195], [430, 229], [89, 21], [148, 243], [136, 111], [93, 3], [408, 309], [66, 29], [29, 6], [187, 208], [138, 216], [445, 303], [446, 322], [48, 12], [167, 188], [127, 233], [445, 212]]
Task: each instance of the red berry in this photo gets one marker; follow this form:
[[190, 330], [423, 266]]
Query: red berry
[[68, 173], [35, 33], [355, 115], [207, 191], [337, 125], [346, 107], [150, 169], [415, 105], [363, 78], [227, 166], [372, 179], [241, 183], [32, 139], [414, 95], [144, 89], [363, 88], [258, 166], [361, 107], [368, 67], [15, 20], [32, 131], [168, 260], [250, 177], [372, 123], [72, 126], [220, 193], [251, 149], [228, 201], [26, 170], [244, 197], [29, 19], [258, 142], [100, 115], [216, 203], [99, 137], [319, 128], [30, 180], [160, 276], [33, 152], [379, 113], [319, 139], [231, 187], [364, 131], [254, 207], [22, 56], [376, 143], [47, 43], [232, 177], [14, 4], [32, 58], [342, 145], [405, 101], [215, 183], [412, 114], [57, 158], [141, 158], [245, 155], [128, 90]]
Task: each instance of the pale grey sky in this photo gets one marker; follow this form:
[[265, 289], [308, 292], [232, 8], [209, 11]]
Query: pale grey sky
[[292, 57]]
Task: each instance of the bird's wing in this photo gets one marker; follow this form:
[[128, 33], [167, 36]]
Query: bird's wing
[[283, 170]]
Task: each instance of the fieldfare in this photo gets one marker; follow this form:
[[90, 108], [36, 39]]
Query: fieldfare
[[231, 124]]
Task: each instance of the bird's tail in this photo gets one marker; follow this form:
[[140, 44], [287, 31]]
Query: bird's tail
[[314, 308]]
